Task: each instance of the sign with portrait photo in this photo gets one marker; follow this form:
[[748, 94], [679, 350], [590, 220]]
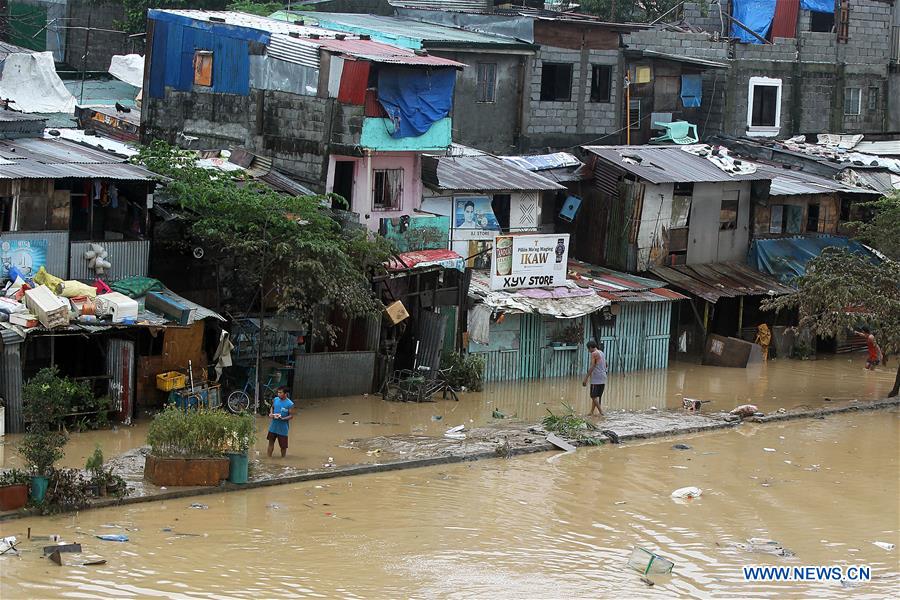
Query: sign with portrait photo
[[473, 218], [529, 261]]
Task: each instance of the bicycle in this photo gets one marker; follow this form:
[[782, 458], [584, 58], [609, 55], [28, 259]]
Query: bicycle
[[414, 386], [239, 400]]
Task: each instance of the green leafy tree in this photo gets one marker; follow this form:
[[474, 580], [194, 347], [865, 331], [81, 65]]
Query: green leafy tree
[[290, 250], [620, 11], [136, 10], [842, 290], [263, 9]]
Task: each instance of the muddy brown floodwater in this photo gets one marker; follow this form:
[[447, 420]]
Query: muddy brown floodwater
[[540, 526], [324, 425]]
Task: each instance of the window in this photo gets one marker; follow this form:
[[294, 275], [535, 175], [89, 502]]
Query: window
[[634, 114], [822, 22], [729, 210], [388, 189], [487, 82], [764, 106], [852, 101], [812, 217], [601, 83], [556, 82], [872, 104], [203, 66]]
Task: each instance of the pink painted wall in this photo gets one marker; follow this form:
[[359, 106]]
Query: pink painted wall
[[362, 193]]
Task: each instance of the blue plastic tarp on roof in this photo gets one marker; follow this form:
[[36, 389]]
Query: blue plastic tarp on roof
[[755, 14], [414, 99], [786, 258], [825, 6]]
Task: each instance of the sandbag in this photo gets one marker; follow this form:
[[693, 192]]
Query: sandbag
[[72, 288], [42, 277]]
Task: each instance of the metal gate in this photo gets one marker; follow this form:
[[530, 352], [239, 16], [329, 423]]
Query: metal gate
[[531, 335], [120, 367], [432, 327]]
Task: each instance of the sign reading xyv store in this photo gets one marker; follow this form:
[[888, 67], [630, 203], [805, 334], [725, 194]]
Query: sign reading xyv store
[[526, 261]]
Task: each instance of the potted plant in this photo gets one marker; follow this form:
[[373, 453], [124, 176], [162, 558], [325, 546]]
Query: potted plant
[[41, 449], [243, 436], [94, 466], [13, 489], [188, 446]]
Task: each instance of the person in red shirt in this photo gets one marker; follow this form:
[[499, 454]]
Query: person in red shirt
[[875, 357]]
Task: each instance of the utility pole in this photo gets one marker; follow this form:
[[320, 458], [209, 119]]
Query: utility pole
[[87, 41]]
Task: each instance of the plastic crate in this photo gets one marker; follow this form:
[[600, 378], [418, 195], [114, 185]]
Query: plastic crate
[[647, 562], [172, 380]]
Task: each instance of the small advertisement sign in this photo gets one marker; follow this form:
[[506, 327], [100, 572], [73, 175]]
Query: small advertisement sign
[[26, 255], [474, 219], [527, 261]]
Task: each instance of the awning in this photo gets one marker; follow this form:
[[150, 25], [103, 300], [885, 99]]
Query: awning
[[426, 258], [786, 258], [562, 302], [620, 287], [481, 173], [720, 280]]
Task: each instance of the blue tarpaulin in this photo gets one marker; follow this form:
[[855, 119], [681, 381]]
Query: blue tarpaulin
[[786, 258], [691, 90], [825, 6], [415, 98], [755, 14]]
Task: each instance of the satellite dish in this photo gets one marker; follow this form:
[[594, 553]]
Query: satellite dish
[[198, 252]]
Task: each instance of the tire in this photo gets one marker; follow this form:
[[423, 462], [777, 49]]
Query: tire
[[238, 401]]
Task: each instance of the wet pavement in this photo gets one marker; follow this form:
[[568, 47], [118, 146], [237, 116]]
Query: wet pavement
[[537, 526], [320, 434]]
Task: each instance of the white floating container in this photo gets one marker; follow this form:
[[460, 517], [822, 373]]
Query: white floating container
[[116, 305]]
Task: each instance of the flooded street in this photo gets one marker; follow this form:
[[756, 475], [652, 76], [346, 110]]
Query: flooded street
[[541, 526], [324, 425]]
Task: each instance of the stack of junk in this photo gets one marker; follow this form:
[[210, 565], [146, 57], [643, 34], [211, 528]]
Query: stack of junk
[[50, 302]]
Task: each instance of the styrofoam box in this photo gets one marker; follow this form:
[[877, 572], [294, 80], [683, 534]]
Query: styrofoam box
[[118, 306]]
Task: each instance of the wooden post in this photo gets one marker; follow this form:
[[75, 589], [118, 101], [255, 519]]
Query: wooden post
[[740, 315], [627, 109], [706, 317]]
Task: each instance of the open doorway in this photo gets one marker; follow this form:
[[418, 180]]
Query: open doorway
[[343, 182]]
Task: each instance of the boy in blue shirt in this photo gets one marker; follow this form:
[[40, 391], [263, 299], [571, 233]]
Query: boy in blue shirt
[[281, 415]]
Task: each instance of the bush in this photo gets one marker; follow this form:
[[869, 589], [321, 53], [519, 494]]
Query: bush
[[67, 492], [466, 370], [41, 448], [14, 477], [49, 398], [199, 433]]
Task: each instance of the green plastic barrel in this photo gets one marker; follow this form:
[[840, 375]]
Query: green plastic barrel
[[39, 488], [238, 468]]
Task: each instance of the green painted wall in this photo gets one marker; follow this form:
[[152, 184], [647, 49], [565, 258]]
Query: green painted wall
[[376, 136]]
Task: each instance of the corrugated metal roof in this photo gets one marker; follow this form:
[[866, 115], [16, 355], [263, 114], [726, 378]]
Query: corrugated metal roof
[[700, 62], [383, 53], [7, 116], [787, 182], [620, 287], [239, 19], [40, 158], [293, 50], [480, 173], [720, 280], [666, 164], [452, 5], [883, 148], [6, 49], [403, 31]]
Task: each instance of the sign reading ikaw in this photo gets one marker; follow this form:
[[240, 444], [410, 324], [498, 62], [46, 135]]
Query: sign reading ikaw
[[525, 261]]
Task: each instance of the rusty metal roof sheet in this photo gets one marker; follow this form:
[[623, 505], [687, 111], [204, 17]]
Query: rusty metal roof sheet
[[698, 62], [480, 173], [666, 164], [41, 158], [383, 53], [620, 287], [788, 182], [721, 280]]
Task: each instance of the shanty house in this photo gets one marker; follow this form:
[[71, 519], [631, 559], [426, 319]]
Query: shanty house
[[666, 205]]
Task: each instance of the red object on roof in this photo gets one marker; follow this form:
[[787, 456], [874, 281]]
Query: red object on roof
[[784, 24], [383, 53], [421, 258], [354, 81]]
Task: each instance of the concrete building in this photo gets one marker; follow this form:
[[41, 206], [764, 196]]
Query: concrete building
[[340, 113], [488, 103], [817, 71]]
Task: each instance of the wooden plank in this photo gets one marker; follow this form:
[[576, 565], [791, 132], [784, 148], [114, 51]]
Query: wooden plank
[[560, 443]]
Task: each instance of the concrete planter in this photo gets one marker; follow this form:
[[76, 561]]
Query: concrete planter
[[185, 471], [13, 497]]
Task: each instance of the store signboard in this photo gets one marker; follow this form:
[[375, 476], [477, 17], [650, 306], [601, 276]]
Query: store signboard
[[529, 261]]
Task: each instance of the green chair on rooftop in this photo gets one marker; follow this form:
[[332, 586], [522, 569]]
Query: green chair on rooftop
[[677, 132]]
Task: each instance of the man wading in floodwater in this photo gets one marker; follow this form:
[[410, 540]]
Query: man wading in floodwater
[[281, 415], [597, 376]]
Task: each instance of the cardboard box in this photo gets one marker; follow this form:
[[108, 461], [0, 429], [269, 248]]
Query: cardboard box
[[23, 319], [51, 310], [396, 312]]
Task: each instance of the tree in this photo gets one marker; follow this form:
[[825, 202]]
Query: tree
[[285, 251], [842, 290], [136, 10], [626, 11]]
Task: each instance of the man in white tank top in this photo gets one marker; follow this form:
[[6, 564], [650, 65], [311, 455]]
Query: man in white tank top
[[596, 375]]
